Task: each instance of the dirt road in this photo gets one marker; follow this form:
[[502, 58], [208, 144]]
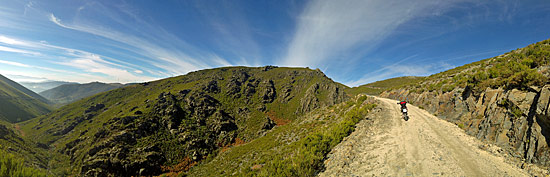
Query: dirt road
[[387, 145]]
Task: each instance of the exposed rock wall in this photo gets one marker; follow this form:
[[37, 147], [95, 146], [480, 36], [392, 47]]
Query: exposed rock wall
[[515, 120]]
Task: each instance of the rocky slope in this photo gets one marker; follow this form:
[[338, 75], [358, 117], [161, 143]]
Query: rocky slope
[[502, 100], [68, 93], [18, 103], [146, 128]]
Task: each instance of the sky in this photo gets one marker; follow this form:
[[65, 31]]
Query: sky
[[354, 42]]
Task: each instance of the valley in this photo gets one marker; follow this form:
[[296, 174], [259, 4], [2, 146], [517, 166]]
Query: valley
[[485, 118]]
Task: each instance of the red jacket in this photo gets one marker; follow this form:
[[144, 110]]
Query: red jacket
[[403, 104]]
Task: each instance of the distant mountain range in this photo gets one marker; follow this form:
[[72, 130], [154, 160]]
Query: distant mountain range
[[18, 103], [68, 93], [38, 87]]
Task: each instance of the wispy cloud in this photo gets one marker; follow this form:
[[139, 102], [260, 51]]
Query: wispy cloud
[[14, 63], [159, 48], [400, 69], [29, 73], [95, 64], [7, 40], [75, 58], [24, 78], [14, 50], [327, 29], [338, 34], [235, 35]]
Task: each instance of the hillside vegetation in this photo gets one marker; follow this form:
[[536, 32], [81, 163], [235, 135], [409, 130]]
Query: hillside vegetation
[[378, 87], [18, 155], [10, 165], [501, 100], [518, 69], [68, 93], [166, 125], [296, 149], [18, 103]]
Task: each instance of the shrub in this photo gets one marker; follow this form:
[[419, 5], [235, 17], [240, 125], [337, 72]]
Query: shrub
[[13, 166], [528, 62], [524, 79], [308, 159]]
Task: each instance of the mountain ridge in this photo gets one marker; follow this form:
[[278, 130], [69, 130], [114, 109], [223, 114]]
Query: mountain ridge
[[19, 103], [68, 93], [23, 89], [38, 87], [201, 112]]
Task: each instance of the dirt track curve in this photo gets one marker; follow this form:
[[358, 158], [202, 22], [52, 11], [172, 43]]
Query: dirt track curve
[[387, 145]]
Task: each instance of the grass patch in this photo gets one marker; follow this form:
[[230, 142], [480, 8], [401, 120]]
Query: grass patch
[[11, 165], [312, 151]]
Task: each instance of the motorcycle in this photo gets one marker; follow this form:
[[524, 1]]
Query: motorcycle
[[405, 115]]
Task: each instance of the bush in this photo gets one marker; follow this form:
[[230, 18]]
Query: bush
[[308, 158], [361, 99], [524, 79], [13, 166]]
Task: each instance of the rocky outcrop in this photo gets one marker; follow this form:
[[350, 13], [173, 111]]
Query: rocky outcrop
[[268, 124], [310, 100], [516, 120], [94, 108], [268, 94], [333, 94], [212, 87], [195, 119], [235, 82], [4, 132]]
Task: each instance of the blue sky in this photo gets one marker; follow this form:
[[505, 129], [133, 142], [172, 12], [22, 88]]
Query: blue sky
[[353, 41]]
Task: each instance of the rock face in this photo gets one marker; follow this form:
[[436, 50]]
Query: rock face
[[518, 121], [311, 99], [195, 118]]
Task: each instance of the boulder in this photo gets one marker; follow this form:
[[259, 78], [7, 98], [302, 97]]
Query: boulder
[[212, 87], [268, 93], [268, 124], [94, 108]]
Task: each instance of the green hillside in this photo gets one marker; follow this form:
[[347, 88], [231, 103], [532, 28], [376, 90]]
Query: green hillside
[[501, 100], [69, 93], [18, 155], [378, 87], [144, 128], [23, 89], [518, 69], [18, 103]]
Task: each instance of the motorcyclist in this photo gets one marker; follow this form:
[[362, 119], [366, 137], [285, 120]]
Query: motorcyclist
[[404, 109], [403, 104]]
